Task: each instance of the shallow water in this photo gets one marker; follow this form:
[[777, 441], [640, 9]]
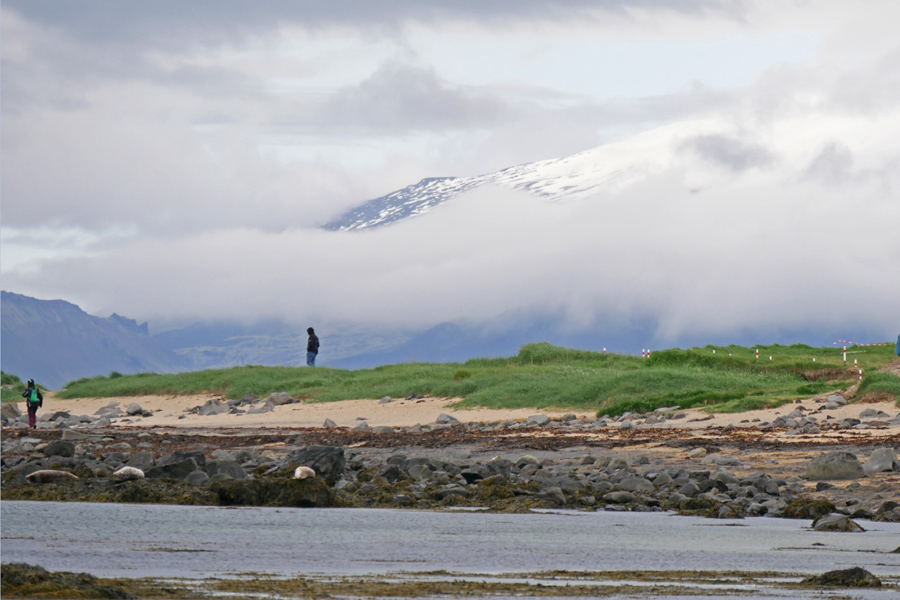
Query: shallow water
[[120, 540]]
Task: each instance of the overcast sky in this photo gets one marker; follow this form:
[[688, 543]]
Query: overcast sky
[[171, 161]]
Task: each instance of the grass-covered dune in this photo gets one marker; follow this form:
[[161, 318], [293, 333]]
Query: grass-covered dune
[[722, 378]]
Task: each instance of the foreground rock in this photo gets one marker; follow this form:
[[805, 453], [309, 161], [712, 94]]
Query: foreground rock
[[21, 580], [838, 464], [853, 578]]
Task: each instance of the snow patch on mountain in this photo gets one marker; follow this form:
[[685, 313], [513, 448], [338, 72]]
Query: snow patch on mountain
[[605, 169]]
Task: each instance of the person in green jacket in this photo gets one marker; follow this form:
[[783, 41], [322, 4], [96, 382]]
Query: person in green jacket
[[33, 400]]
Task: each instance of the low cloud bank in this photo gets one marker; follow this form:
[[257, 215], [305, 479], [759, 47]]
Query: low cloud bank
[[706, 245]]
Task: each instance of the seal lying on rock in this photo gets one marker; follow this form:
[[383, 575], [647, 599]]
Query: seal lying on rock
[[303, 473], [127, 474], [49, 476]]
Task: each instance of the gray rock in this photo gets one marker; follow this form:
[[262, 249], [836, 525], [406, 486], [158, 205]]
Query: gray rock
[[264, 408], [199, 478], [537, 420], [361, 426], [452, 491], [564, 483], [882, 459], [619, 497], [697, 453], [329, 424], [554, 494], [217, 477], [835, 522], [214, 408], [230, 468], [662, 479], [59, 448], [142, 460], [11, 410], [725, 477], [690, 489], [329, 462], [635, 484], [385, 400], [280, 398], [380, 429], [178, 470], [837, 464], [134, 409], [445, 419]]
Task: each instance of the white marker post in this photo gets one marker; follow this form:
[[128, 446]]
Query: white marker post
[[604, 351], [757, 354], [854, 364], [770, 357], [845, 356], [860, 374]]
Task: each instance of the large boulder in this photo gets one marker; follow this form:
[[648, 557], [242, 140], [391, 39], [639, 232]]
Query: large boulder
[[855, 577], [836, 522], [838, 464], [635, 484], [327, 461], [280, 398], [59, 448], [142, 460], [179, 456], [178, 470], [11, 411], [228, 467], [882, 459]]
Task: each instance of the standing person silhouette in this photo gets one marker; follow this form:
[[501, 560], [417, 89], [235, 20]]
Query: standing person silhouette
[[312, 347], [33, 400]]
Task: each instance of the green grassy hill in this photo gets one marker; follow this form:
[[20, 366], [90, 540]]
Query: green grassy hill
[[541, 376]]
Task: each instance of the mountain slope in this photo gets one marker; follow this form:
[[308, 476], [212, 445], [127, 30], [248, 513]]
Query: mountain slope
[[53, 342], [603, 169]]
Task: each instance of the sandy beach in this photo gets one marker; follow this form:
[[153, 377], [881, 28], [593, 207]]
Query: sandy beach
[[174, 412]]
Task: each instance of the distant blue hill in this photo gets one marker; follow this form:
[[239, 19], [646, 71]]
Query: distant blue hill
[[54, 342]]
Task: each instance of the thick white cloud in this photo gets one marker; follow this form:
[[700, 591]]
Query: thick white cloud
[[182, 157]]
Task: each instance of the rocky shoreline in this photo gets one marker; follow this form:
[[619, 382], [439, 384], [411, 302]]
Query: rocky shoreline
[[512, 465]]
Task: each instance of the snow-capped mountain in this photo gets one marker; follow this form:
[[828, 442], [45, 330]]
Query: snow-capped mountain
[[602, 169]]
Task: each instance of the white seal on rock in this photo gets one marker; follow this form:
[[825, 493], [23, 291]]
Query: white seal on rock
[[49, 476], [303, 473], [127, 474]]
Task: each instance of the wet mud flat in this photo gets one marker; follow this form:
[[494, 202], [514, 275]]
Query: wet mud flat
[[24, 581]]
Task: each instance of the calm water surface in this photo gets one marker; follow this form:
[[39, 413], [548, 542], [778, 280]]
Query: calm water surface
[[130, 540]]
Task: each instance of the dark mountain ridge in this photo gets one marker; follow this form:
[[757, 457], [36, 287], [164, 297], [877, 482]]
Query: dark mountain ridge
[[54, 342]]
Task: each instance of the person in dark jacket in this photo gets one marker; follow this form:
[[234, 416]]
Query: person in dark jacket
[[33, 400], [312, 347]]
